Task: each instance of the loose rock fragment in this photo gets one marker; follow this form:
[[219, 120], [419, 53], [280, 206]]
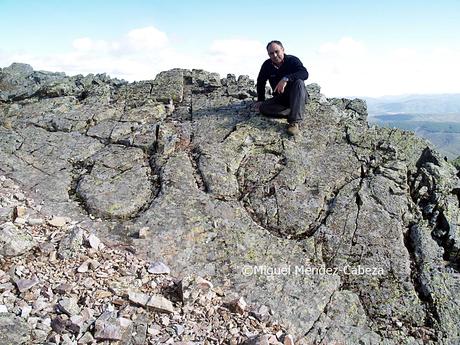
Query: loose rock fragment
[[258, 340], [158, 268], [87, 338], [288, 340], [144, 232], [13, 330], [108, 327], [14, 242], [238, 305], [69, 305], [160, 304], [69, 245], [58, 222], [94, 241], [26, 284], [138, 298]]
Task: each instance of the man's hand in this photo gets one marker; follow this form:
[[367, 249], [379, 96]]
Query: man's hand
[[280, 86], [256, 106]]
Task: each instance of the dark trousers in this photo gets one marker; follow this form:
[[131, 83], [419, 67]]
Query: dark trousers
[[290, 104]]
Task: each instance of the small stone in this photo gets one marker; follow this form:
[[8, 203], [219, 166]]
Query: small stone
[[238, 305], [87, 338], [39, 336], [77, 320], [6, 287], [234, 331], [14, 242], [6, 214], [3, 308], [160, 304], [93, 264], [158, 268], [20, 211], [101, 294], [35, 221], [46, 247], [45, 324], [124, 323], [69, 305], [83, 268], [33, 321], [19, 196], [14, 330], [54, 339], [94, 241], [69, 245], [58, 325], [203, 284], [261, 314], [53, 256], [288, 340], [4, 277], [26, 284], [179, 329], [40, 304], [58, 222], [138, 298], [258, 340], [20, 270], [165, 321], [63, 288], [107, 327], [20, 221], [154, 330], [25, 311], [219, 292], [66, 340], [144, 232], [273, 339]]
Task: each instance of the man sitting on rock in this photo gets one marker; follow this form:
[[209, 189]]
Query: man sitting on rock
[[286, 75]]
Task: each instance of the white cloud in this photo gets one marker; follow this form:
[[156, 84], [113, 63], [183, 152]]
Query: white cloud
[[346, 67], [145, 40], [236, 56], [142, 53], [349, 68]]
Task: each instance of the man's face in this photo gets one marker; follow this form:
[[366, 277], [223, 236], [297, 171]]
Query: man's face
[[276, 53]]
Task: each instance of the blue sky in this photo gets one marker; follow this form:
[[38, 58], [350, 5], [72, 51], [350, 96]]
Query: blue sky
[[351, 48]]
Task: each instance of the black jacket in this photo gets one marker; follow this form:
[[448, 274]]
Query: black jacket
[[291, 68]]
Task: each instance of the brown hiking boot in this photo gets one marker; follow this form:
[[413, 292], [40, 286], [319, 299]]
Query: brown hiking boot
[[293, 128]]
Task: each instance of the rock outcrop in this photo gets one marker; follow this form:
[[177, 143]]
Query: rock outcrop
[[347, 233]]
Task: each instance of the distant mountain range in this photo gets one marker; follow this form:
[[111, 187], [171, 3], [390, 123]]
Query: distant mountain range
[[414, 104], [433, 117]]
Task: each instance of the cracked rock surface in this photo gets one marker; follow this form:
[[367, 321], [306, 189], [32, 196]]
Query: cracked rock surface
[[348, 233]]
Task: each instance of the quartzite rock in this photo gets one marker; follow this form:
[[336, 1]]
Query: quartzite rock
[[346, 232], [14, 241], [13, 330]]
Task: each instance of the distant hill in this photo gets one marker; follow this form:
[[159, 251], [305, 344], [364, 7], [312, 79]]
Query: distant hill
[[419, 104], [433, 117]]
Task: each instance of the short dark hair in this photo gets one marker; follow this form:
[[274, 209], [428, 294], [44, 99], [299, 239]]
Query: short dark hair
[[276, 42]]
